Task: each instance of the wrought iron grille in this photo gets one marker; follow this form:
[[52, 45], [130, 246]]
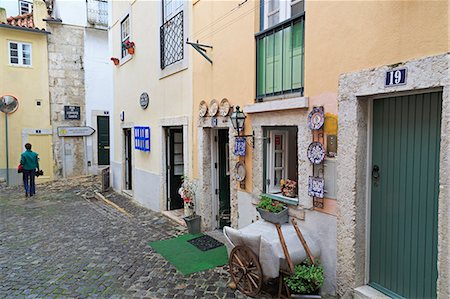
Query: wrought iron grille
[[97, 12], [172, 37]]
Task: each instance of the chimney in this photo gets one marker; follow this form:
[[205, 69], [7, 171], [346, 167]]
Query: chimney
[[39, 13], [2, 15]]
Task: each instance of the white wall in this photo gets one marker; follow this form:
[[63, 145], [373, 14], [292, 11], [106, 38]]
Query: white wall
[[11, 6], [71, 12]]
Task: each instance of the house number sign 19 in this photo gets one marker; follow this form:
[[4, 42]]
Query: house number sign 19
[[395, 77]]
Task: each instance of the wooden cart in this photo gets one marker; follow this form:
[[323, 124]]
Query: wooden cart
[[246, 271]]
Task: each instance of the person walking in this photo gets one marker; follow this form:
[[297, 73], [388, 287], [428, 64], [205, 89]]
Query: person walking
[[30, 162]]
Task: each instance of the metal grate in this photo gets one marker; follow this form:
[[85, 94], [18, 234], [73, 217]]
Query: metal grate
[[97, 12], [172, 36]]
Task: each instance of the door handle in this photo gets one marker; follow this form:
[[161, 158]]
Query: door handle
[[375, 172], [106, 147]]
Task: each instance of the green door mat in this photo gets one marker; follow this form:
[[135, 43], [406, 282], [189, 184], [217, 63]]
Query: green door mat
[[186, 257]]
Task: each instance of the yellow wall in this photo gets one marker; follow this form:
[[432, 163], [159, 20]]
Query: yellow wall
[[27, 84], [170, 96], [232, 74], [346, 36]]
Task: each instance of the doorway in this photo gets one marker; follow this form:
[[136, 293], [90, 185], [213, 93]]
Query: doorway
[[221, 174], [103, 140], [175, 167], [404, 195], [128, 159]]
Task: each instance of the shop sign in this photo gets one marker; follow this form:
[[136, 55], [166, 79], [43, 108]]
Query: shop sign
[[72, 112], [395, 77]]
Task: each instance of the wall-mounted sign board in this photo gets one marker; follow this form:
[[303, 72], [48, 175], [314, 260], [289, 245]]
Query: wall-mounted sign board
[[75, 131], [142, 138], [395, 77], [72, 112]]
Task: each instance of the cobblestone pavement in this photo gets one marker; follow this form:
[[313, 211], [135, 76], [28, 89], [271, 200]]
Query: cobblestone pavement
[[66, 244]]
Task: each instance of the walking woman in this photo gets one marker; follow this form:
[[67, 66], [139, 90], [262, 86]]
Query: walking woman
[[30, 162]]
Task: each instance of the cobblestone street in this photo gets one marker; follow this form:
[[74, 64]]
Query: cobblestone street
[[65, 243]]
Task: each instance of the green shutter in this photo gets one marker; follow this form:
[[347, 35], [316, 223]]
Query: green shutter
[[404, 201]]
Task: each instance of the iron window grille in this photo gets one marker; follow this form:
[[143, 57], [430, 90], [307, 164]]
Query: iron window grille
[[97, 12], [280, 59], [172, 37]]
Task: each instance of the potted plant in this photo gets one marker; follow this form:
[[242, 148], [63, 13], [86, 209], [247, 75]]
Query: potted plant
[[187, 193], [306, 281], [272, 210], [115, 60], [129, 46], [288, 188]]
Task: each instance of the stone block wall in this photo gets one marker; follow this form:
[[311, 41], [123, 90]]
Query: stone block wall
[[66, 82]]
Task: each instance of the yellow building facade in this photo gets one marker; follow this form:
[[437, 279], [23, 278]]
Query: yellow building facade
[[27, 80]]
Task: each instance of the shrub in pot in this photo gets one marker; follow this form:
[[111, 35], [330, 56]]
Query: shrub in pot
[[272, 210], [306, 281]]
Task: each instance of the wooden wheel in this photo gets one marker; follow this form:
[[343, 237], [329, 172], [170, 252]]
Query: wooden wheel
[[245, 270]]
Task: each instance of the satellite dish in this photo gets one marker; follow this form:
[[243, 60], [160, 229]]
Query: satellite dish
[[8, 104]]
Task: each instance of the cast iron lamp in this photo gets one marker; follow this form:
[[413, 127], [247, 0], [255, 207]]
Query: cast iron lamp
[[238, 119]]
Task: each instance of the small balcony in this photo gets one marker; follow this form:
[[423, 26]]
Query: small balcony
[[280, 60], [172, 37], [97, 12]]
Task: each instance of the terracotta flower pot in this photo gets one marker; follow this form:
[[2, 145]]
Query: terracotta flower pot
[[115, 60], [131, 51]]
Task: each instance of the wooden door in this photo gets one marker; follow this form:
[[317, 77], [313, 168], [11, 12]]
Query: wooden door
[[175, 167], [103, 140], [405, 189]]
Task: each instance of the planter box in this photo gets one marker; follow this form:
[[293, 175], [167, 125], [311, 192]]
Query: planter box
[[281, 217]]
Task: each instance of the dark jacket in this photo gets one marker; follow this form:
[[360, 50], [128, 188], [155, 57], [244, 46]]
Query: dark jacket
[[29, 160]]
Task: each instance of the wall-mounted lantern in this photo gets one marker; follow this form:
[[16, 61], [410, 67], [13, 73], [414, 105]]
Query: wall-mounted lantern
[[238, 119]]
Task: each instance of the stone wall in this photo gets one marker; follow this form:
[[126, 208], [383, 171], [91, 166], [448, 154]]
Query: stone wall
[[66, 82], [427, 74]]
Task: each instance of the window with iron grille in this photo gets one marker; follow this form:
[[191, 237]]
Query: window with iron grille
[[280, 58], [124, 34], [172, 33], [97, 12]]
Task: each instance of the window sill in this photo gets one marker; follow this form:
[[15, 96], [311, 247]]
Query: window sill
[[276, 105], [285, 199], [173, 69], [125, 59], [22, 66]]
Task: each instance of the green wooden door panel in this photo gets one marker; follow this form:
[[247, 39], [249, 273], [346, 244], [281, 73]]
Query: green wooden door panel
[[224, 180], [103, 140], [404, 201]]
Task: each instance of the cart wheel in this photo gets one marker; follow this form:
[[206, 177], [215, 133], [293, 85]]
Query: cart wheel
[[245, 270]]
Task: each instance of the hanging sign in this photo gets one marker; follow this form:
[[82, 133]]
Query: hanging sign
[[71, 112], [395, 77], [239, 146]]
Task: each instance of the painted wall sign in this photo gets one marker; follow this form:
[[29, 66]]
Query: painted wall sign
[[395, 77], [144, 100], [75, 131], [72, 112]]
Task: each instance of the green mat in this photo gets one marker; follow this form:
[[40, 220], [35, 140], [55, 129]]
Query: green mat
[[186, 257]]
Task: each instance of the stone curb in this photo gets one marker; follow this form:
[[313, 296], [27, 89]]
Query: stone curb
[[101, 197]]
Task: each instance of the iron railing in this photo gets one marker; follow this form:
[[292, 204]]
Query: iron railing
[[172, 37], [97, 12], [280, 58]]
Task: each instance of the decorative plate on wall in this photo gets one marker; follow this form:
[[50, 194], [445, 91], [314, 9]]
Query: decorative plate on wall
[[316, 187], [144, 100], [203, 109], [240, 171], [224, 107], [316, 152], [316, 118], [213, 108]]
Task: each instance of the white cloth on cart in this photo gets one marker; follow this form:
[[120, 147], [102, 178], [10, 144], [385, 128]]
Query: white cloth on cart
[[262, 238]]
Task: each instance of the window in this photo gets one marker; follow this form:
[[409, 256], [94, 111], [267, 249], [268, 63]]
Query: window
[[124, 34], [172, 32], [280, 59], [281, 161], [25, 7], [19, 53]]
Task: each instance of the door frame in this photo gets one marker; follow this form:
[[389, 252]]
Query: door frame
[[167, 161], [215, 177], [124, 152]]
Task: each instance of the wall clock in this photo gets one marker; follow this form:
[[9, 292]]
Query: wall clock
[[224, 107], [213, 108], [203, 109], [144, 100], [240, 171]]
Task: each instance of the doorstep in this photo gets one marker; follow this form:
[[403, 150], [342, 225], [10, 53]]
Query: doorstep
[[175, 215], [367, 292], [128, 193]]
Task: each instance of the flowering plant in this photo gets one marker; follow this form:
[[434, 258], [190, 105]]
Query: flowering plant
[[127, 44], [288, 188], [187, 193]]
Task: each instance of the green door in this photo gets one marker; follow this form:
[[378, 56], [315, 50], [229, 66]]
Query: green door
[[404, 201], [224, 179], [103, 140]]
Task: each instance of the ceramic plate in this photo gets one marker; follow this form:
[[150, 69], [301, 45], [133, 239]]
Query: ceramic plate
[[240, 171], [316, 187], [316, 118], [224, 107], [316, 152], [213, 108], [203, 109]]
